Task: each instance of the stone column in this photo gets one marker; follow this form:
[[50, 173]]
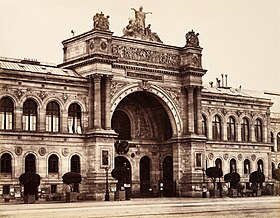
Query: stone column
[[91, 102], [108, 80], [198, 112], [97, 101], [41, 120], [190, 109]]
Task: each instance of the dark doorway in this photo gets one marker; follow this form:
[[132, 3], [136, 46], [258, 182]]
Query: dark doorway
[[145, 168], [123, 162], [168, 182]]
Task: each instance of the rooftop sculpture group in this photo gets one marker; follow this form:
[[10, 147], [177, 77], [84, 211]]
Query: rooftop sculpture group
[[137, 28], [100, 22]]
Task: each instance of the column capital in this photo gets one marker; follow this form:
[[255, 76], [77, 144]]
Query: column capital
[[108, 78], [96, 77]]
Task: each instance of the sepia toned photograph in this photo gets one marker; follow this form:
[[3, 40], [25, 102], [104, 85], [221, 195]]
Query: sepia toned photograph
[[137, 108]]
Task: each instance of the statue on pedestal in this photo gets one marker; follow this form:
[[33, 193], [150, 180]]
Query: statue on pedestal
[[136, 28]]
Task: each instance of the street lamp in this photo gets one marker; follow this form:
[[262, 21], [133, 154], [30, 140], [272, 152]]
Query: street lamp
[[107, 196]]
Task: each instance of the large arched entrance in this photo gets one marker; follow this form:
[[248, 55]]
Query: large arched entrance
[[142, 121]]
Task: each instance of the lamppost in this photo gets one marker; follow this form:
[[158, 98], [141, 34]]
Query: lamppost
[[107, 196], [204, 189]]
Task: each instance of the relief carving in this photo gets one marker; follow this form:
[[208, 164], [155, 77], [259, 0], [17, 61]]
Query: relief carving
[[139, 54], [175, 95], [116, 86]]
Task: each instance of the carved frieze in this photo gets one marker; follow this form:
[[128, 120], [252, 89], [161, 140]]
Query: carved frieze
[[140, 54]]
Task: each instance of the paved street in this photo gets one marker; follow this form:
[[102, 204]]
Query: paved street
[[156, 207]]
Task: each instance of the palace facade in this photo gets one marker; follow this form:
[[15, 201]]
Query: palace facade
[[130, 101]]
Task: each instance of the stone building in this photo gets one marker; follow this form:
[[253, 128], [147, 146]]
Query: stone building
[[129, 101]]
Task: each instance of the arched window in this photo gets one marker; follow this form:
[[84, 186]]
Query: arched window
[[272, 170], [233, 166], [204, 125], [217, 127], [52, 117], [278, 166], [260, 166], [278, 142], [245, 133], [218, 163], [231, 129], [75, 164], [6, 113], [6, 163], [30, 163], [53, 164], [29, 121], [74, 119], [247, 166], [271, 138], [258, 130]]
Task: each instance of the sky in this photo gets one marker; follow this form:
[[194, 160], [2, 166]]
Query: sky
[[240, 38]]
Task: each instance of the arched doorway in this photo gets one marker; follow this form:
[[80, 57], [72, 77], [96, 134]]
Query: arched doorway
[[169, 185], [143, 120], [145, 175], [121, 161]]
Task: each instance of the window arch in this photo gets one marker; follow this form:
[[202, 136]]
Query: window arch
[[52, 117], [74, 118], [53, 164], [75, 164], [232, 164], [247, 167], [217, 128], [30, 163], [29, 121], [260, 166], [204, 125], [245, 133], [258, 130], [6, 113], [6, 163], [218, 163], [231, 133]]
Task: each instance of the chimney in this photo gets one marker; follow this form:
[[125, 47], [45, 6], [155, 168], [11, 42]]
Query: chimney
[[226, 79], [218, 82], [222, 80]]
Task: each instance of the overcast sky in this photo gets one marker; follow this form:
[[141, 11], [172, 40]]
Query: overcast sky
[[240, 38]]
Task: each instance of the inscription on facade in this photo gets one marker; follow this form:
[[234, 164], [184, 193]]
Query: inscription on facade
[[145, 76]]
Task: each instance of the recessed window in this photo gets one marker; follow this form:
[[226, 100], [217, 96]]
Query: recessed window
[[258, 130], [53, 164], [217, 127], [29, 121], [231, 129], [245, 130], [52, 117], [74, 119], [6, 163], [6, 113]]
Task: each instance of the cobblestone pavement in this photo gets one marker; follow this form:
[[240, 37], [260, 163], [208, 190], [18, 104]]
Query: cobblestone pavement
[[151, 207]]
